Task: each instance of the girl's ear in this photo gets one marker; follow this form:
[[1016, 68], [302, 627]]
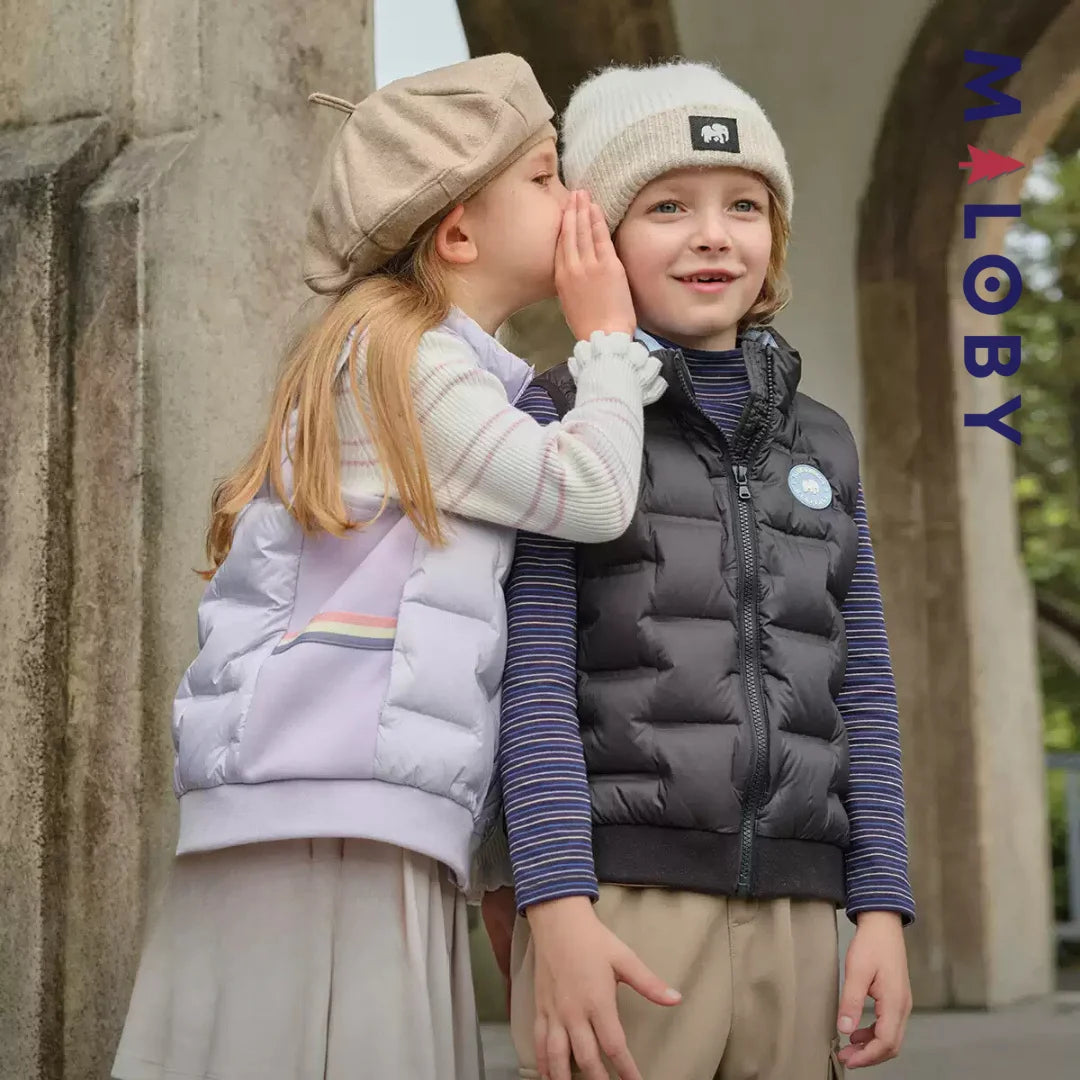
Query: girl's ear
[[452, 240]]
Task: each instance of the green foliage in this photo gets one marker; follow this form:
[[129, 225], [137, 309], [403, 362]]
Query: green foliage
[[1046, 247], [1060, 700]]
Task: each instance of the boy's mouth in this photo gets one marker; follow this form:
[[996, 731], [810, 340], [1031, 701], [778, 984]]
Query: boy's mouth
[[707, 282]]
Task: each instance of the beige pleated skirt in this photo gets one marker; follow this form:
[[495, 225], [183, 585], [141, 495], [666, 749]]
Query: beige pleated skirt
[[305, 960]]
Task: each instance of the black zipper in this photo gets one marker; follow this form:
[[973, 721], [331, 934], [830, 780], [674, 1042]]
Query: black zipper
[[749, 653]]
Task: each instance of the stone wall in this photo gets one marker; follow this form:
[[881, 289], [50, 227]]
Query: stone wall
[[155, 165]]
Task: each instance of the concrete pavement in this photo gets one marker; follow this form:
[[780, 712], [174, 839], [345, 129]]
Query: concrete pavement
[[1035, 1041]]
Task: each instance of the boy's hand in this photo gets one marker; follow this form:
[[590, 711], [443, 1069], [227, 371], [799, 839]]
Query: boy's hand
[[876, 966], [590, 280], [579, 963]]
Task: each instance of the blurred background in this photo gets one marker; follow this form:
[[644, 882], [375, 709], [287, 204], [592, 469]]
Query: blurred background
[[156, 159]]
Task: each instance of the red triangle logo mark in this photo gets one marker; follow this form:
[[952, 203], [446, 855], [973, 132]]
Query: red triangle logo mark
[[985, 165]]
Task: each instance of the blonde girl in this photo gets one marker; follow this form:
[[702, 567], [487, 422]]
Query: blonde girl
[[336, 733]]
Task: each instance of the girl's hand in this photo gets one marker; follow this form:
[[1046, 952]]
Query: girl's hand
[[590, 280], [499, 909], [876, 966], [579, 964]]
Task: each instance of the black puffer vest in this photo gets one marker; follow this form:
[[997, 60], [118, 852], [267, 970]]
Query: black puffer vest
[[711, 645]]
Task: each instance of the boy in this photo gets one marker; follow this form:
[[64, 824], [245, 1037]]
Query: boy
[[701, 716]]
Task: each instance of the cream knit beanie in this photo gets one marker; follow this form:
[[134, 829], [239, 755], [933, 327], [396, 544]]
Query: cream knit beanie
[[625, 126]]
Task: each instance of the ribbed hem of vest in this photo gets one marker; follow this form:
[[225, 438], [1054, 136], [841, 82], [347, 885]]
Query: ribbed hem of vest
[[708, 862], [234, 814]]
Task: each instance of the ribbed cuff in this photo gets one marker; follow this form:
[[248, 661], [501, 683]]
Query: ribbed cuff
[[621, 347], [907, 914], [529, 897], [491, 865]]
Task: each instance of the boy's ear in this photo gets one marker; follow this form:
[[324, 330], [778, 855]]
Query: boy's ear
[[452, 240]]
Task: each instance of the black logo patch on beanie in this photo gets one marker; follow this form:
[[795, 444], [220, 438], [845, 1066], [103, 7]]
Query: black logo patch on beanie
[[714, 133]]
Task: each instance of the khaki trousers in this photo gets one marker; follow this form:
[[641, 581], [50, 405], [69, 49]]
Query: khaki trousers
[[759, 979]]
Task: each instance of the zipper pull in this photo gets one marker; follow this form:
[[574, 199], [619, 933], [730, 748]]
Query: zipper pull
[[740, 477]]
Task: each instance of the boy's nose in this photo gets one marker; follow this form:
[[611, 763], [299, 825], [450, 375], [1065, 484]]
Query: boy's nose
[[711, 235]]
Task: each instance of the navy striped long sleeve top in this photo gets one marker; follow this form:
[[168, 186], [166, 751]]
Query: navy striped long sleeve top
[[541, 760]]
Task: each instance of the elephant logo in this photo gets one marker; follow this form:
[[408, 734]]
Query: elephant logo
[[810, 486], [715, 133]]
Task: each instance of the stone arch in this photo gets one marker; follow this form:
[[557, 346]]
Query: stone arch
[[959, 607]]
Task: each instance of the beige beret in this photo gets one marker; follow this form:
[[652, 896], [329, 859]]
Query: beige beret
[[409, 153]]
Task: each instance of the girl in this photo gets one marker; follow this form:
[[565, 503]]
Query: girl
[[730, 769], [336, 733]]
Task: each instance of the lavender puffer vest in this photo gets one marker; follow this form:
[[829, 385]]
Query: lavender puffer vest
[[349, 687]]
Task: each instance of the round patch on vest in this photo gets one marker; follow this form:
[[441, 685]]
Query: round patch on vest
[[810, 486]]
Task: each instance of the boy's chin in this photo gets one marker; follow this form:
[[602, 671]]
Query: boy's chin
[[699, 331]]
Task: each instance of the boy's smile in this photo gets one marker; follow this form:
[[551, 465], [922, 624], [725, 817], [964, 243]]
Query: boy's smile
[[696, 244], [708, 281]]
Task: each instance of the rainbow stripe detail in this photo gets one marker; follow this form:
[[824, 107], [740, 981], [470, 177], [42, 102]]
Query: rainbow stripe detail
[[344, 628]]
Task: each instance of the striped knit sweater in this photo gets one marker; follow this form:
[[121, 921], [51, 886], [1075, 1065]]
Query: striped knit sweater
[[487, 460], [542, 766]]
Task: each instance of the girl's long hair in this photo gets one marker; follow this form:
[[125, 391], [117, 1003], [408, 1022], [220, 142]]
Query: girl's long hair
[[395, 307]]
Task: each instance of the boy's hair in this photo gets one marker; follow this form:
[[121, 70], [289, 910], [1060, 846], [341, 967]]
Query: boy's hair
[[393, 309], [776, 289]]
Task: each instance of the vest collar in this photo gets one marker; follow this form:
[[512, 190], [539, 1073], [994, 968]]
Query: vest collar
[[773, 369], [492, 356], [786, 361]]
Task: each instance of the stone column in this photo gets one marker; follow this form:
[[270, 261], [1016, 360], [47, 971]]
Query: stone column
[[43, 170], [958, 602], [149, 271]]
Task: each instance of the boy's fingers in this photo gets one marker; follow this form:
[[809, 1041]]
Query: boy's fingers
[[587, 1052], [887, 1025], [612, 1038], [540, 1043], [630, 969], [873, 1045], [558, 1052], [874, 1053], [903, 1024], [856, 985], [905, 1003]]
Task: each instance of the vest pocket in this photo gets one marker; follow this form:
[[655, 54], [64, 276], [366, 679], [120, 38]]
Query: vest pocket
[[797, 597], [314, 713]]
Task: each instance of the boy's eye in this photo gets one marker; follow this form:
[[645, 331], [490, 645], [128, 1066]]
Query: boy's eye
[[543, 178], [666, 207], [747, 206]]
